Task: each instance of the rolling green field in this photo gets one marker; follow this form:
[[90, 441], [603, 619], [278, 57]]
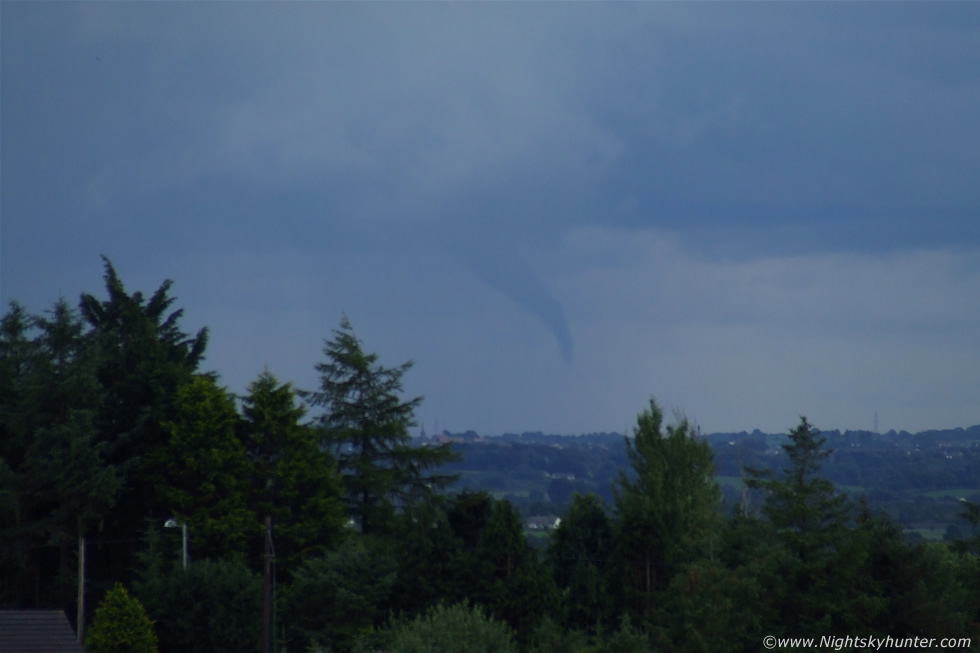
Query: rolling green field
[[955, 492]]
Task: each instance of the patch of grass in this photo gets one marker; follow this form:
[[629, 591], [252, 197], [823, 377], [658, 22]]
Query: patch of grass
[[537, 534]]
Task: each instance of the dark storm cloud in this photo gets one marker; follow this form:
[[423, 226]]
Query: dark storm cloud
[[619, 172]]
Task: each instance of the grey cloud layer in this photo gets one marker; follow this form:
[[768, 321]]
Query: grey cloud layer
[[716, 176]]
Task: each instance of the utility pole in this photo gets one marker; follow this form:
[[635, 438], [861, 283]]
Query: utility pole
[[266, 599]]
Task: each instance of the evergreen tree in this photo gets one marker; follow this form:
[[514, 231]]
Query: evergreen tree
[[54, 480], [970, 562], [121, 626], [468, 515], [429, 556], [627, 639], [469, 547], [810, 522], [367, 423], [550, 637], [726, 602], [17, 360], [84, 485], [213, 605], [292, 479], [522, 590], [144, 356], [337, 598], [502, 542], [803, 506], [580, 552], [667, 513], [207, 470], [905, 588]]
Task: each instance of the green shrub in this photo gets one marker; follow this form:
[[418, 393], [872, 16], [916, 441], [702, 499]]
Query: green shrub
[[340, 597], [214, 606], [549, 637], [121, 626], [627, 639], [458, 628]]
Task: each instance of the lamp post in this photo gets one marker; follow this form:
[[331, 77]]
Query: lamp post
[[173, 523]]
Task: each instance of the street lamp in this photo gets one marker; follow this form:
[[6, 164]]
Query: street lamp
[[173, 523]]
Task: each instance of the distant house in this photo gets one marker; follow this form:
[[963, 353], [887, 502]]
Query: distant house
[[568, 476], [542, 522], [36, 631], [444, 439]]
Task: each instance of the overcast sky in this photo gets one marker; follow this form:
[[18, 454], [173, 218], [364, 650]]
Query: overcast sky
[[750, 211]]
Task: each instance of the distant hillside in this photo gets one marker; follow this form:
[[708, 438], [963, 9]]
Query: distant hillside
[[916, 478]]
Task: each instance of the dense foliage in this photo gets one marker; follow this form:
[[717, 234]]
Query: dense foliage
[[366, 423], [121, 626], [459, 628], [108, 430], [212, 607]]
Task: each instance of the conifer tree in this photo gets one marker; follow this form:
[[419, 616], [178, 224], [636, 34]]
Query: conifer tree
[[810, 522], [143, 357], [293, 479], [429, 557], [121, 626], [54, 480], [207, 470], [803, 505], [580, 551], [501, 570], [366, 422], [339, 596], [215, 606]]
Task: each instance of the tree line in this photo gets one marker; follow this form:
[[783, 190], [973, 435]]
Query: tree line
[[916, 479], [109, 431]]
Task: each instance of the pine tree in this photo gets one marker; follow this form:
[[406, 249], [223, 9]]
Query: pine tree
[[803, 506], [366, 422]]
